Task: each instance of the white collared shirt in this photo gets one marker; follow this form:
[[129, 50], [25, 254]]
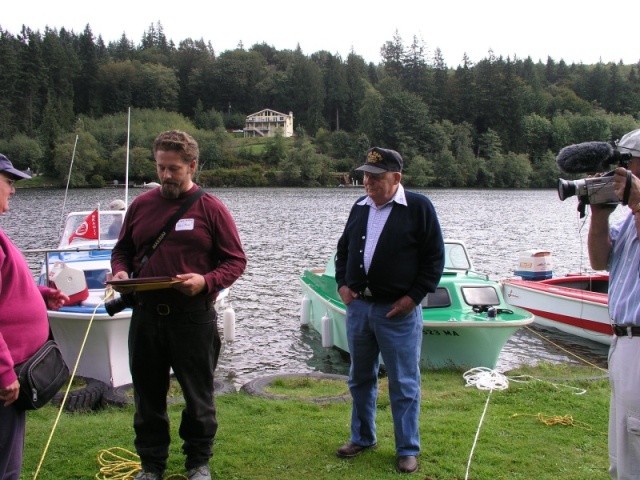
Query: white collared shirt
[[377, 219]]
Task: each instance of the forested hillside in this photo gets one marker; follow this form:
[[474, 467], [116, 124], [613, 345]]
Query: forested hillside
[[498, 122]]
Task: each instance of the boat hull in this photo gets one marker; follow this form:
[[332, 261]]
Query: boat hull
[[455, 338], [105, 355], [556, 303]]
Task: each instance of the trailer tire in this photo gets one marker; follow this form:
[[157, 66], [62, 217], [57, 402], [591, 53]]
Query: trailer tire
[[121, 396], [83, 399]]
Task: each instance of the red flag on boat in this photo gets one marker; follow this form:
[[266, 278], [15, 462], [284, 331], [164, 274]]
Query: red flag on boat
[[89, 228]]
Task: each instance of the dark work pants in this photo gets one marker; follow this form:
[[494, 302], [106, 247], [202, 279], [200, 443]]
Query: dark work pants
[[12, 426], [189, 343]]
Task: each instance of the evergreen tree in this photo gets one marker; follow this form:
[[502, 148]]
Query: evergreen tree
[[416, 74], [59, 55], [86, 82], [305, 79], [194, 62], [441, 95], [356, 73], [31, 84], [337, 90], [392, 54], [9, 78]]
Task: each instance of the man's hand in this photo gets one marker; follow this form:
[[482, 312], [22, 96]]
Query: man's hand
[[121, 276], [620, 184], [602, 210], [10, 394], [193, 284], [347, 295], [403, 306]]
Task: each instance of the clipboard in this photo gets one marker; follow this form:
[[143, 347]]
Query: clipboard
[[145, 283]]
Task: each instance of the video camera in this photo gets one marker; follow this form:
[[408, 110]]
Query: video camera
[[590, 157], [116, 305]]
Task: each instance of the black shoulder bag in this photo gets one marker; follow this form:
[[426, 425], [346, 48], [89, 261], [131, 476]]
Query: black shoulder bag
[[41, 377]]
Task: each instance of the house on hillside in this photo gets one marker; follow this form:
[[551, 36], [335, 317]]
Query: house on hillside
[[266, 122]]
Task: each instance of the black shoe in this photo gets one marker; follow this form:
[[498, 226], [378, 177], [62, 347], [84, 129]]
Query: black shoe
[[350, 449], [407, 464]]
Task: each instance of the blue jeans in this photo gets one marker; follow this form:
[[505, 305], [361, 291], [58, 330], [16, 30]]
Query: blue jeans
[[398, 339], [188, 343]]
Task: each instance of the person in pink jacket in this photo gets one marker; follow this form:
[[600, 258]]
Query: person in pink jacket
[[24, 328]]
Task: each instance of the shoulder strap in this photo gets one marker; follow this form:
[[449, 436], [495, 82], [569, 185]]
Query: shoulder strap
[[170, 224]]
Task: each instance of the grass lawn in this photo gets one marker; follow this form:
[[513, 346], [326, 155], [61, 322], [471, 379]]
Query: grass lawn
[[260, 438]]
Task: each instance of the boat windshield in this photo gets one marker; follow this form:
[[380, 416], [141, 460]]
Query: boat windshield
[[481, 295], [110, 225], [455, 256]]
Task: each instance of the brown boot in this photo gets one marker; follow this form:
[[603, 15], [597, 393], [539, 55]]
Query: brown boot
[[350, 449]]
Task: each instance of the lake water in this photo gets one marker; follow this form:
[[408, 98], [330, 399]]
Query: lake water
[[285, 231]]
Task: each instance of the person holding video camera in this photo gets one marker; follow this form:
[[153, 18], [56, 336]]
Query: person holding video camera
[[616, 248], [175, 328]]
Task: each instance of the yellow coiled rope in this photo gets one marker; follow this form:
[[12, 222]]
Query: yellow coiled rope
[[566, 420], [551, 420], [119, 464]]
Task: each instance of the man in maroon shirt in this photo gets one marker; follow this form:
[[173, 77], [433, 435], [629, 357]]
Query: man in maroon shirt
[[176, 328]]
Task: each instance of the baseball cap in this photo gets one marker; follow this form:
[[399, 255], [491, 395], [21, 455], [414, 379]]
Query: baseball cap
[[630, 143], [380, 160], [7, 167], [117, 205]]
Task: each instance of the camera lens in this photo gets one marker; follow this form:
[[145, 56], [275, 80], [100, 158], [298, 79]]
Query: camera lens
[[566, 189], [114, 306], [118, 304]]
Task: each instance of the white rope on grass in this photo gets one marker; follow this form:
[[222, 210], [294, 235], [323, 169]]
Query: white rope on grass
[[484, 379], [527, 378]]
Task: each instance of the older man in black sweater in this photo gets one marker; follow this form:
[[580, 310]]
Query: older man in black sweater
[[390, 255]]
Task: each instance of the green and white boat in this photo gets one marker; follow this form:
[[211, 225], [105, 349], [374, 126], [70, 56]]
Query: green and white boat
[[466, 321]]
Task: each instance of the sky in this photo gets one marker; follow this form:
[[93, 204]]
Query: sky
[[561, 29]]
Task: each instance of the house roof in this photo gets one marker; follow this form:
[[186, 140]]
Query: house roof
[[261, 112]]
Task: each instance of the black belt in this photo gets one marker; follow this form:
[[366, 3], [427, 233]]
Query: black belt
[[626, 331], [167, 309], [372, 299]]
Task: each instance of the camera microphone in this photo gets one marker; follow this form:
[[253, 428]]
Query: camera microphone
[[587, 157]]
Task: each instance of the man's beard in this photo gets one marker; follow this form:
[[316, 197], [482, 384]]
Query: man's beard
[[170, 190]]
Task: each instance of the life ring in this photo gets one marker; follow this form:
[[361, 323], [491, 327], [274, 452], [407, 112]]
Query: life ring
[[122, 395], [256, 387], [82, 399], [220, 387]]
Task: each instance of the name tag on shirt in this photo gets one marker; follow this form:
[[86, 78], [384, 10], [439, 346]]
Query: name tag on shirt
[[184, 224]]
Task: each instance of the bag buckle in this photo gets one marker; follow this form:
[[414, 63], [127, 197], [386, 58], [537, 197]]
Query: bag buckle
[[163, 309]]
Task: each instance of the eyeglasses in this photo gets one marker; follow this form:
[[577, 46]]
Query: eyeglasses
[[375, 177], [10, 181]]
